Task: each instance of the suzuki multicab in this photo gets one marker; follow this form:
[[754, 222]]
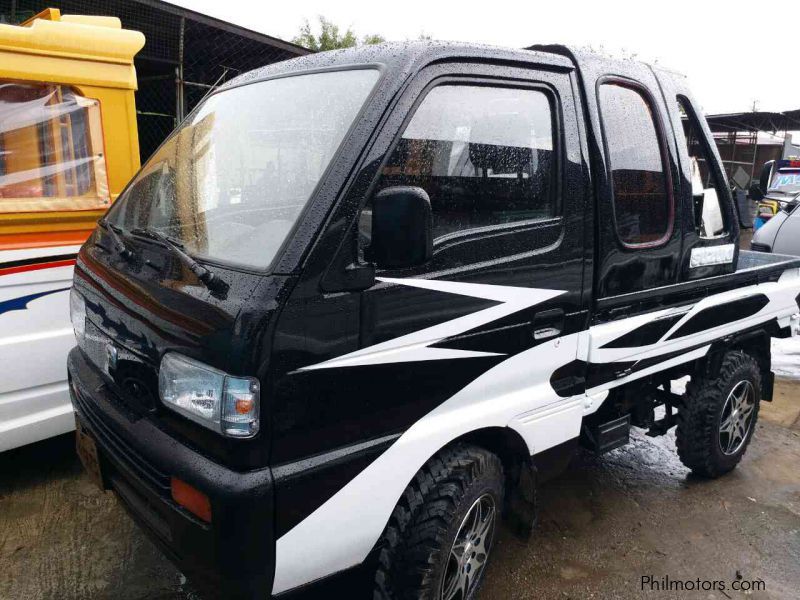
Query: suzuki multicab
[[361, 303]]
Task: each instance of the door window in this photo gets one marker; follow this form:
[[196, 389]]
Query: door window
[[642, 197], [484, 155], [707, 190]]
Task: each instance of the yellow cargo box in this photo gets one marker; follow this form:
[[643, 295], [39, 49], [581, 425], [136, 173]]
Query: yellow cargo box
[[68, 137]]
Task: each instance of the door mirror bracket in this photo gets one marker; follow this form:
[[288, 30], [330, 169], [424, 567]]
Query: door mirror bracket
[[354, 277]]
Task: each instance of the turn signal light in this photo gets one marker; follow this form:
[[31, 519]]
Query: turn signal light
[[192, 499]]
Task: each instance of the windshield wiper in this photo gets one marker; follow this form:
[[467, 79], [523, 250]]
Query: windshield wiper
[[122, 249], [211, 281]]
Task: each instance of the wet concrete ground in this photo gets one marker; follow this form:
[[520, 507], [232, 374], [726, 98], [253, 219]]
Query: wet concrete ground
[[638, 511], [604, 524]]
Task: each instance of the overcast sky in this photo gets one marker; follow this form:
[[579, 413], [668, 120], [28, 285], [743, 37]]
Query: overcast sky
[[734, 53]]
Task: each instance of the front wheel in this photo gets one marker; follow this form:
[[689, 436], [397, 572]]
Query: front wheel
[[441, 533], [717, 423]]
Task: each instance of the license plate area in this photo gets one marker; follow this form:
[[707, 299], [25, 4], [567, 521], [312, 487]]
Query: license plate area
[[87, 452]]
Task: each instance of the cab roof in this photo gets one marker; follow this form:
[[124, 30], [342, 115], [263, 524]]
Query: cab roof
[[403, 58]]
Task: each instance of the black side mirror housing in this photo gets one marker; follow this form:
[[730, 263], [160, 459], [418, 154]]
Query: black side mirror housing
[[766, 175], [755, 192], [402, 228]]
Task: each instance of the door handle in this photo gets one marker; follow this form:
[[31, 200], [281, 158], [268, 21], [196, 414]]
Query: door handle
[[548, 324]]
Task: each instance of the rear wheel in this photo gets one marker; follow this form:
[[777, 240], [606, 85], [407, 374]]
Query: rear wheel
[[717, 423], [439, 538]]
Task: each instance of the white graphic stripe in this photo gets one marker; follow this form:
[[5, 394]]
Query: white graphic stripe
[[781, 296], [515, 393], [341, 532], [415, 346]]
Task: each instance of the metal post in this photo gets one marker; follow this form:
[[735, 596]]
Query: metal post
[[13, 11], [787, 144], [180, 103]]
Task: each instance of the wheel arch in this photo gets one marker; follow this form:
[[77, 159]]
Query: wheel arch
[[754, 342], [520, 503], [520, 472]]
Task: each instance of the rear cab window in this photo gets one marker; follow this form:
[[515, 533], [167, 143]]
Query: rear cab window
[[707, 189], [642, 192]]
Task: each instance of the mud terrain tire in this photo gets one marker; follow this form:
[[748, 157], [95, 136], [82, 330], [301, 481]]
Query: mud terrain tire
[[710, 408], [415, 552]]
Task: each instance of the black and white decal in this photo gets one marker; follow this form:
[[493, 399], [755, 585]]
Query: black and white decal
[[515, 393], [417, 346]]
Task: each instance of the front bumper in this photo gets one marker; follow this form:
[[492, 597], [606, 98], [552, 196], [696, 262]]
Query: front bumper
[[234, 554]]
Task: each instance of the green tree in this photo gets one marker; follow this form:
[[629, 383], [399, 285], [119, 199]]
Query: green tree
[[374, 38], [330, 37]]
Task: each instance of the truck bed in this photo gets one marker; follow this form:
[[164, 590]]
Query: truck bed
[[752, 268], [749, 260]]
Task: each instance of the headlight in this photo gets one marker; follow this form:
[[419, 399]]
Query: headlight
[[212, 398], [77, 314]]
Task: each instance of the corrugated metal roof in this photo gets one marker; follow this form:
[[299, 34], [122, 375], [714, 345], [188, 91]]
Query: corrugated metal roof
[[755, 121]]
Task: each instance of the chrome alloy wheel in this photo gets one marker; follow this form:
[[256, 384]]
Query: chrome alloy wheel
[[470, 550], [737, 417]]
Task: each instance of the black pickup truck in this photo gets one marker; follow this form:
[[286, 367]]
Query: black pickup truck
[[361, 302]]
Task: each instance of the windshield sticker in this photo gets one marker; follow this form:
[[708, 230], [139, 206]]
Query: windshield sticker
[[786, 180]]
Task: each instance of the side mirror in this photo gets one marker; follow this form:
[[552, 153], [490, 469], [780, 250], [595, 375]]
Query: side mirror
[[755, 192], [402, 228], [766, 175]]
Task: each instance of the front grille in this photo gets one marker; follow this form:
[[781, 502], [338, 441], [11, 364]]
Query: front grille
[[756, 247], [120, 451], [135, 383]]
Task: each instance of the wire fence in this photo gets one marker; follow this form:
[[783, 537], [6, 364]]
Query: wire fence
[[185, 54]]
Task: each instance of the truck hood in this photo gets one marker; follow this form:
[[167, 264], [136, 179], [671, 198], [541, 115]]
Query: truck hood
[[781, 196], [139, 310], [152, 308], [765, 235]]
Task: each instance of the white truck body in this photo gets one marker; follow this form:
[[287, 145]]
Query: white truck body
[[35, 337]]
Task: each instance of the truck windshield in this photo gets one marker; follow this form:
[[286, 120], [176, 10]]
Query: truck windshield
[[786, 180], [231, 181]]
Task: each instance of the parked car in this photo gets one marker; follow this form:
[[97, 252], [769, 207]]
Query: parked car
[[361, 303], [778, 186], [68, 145], [781, 233]]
